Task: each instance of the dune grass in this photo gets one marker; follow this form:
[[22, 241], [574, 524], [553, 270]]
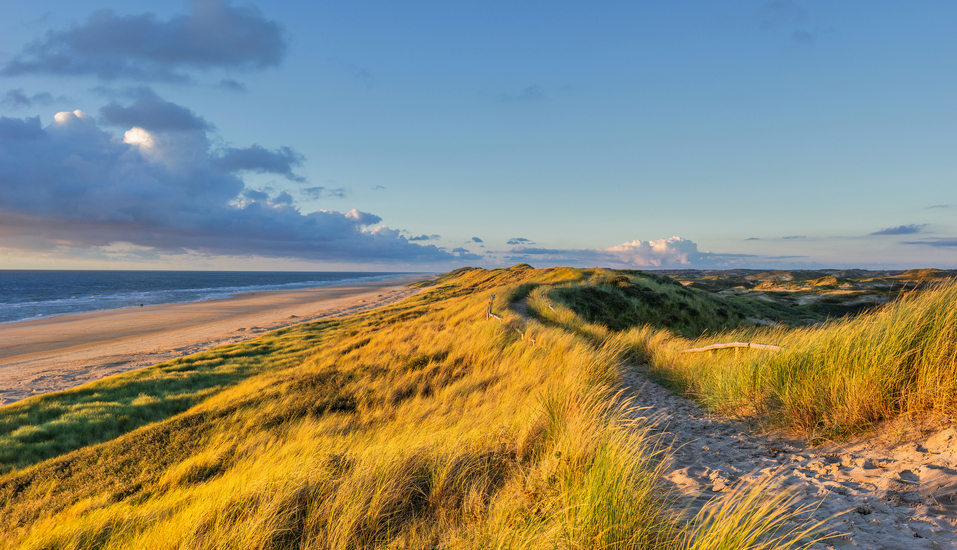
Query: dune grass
[[624, 299], [50, 425], [830, 381], [421, 425]]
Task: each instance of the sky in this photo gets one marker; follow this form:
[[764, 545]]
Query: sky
[[430, 135]]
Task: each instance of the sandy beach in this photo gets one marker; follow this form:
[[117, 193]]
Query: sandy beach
[[58, 353]]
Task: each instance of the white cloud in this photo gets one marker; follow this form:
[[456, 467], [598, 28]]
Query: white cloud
[[663, 252], [66, 117], [362, 218], [675, 252], [138, 136]]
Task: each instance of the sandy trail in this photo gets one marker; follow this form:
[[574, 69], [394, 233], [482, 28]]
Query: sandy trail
[[61, 352], [896, 496], [886, 495]]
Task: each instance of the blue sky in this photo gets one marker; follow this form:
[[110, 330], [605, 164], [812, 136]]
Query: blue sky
[[430, 135]]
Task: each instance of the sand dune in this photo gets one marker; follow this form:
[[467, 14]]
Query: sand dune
[[61, 352]]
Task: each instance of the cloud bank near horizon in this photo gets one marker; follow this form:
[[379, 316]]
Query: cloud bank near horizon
[[71, 185], [675, 252]]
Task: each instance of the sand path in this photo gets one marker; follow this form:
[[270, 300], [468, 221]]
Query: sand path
[[61, 352], [896, 496], [886, 495]]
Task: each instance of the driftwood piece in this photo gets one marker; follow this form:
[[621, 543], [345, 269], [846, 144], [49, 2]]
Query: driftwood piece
[[768, 347]]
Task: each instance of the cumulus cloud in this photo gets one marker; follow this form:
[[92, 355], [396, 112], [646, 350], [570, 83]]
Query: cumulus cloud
[[17, 129], [286, 199], [940, 206], [154, 114], [260, 160], [18, 99], [900, 230], [362, 218], [518, 241], [426, 238], [315, 193], [214, 34], [662, 253], [256, 194], [73, 187], [477, 240]]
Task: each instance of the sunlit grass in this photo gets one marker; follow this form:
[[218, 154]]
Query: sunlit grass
[[422, 425], [829, 381]]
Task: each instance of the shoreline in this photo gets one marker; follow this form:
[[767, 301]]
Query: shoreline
[[55, 353], [212, 293]]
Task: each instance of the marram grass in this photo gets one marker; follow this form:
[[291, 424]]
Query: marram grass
[[832, 380], [423, 425]]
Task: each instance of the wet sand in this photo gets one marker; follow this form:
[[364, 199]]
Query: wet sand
[[58, 353]]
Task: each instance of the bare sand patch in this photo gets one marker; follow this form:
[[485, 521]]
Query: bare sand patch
[[58, 353], [890, 492]]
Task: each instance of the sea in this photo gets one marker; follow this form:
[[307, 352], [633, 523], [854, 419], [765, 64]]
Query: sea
[[34, 294]]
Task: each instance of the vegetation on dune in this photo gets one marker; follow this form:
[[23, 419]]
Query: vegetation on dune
[[622, 299], [831, 380], [625, 299], [50, 425], [421, 425], [797, 297], [430, 425]]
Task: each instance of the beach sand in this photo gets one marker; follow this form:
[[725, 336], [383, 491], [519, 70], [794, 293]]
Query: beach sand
[[58, 353]]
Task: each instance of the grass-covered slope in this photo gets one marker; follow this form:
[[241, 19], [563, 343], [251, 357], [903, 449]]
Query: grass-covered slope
[[837, 378], [428, 424], [54, 424], [415, 425], [624, 299], [831, 380]]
